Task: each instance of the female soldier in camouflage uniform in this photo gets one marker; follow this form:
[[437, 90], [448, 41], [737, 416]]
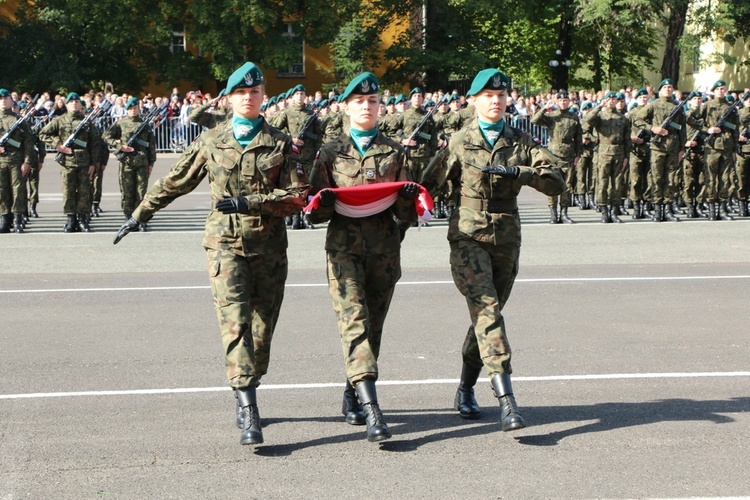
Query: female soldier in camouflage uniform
[[256, 180], [485, 161], [363, 254]]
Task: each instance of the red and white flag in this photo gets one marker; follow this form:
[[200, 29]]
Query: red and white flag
[[371, 199]]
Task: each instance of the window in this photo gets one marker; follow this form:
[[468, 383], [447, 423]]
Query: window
[[178, 39], [297, 68]]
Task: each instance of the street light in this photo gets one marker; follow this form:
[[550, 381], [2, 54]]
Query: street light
[[560, 67]]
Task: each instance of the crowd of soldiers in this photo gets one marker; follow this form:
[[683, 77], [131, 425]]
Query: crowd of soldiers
[[621, 153]]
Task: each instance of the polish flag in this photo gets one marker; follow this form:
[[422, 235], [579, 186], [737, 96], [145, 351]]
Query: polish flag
[[371, 199]]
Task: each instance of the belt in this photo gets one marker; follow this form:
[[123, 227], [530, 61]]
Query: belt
[[492, 206]]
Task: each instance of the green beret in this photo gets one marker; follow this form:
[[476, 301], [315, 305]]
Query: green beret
[[587, 105], [133, 101], [563, 95], [322, 104], [272, 101], [280, 97], [72, 97], [429, 104], [620, 96], [400, 98], [454, 97], [666, 81], [719, 83], [610, 94], [574, 109], [4, 93], [221, 93], [489, 78], [704, 98], [391, 100], [632, 105], [263, 107], [415, 90], [730, 98], [362, 84], [288, 93], [297, 88], [246, 76], [641, 92]]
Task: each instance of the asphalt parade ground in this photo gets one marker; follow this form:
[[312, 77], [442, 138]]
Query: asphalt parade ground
[[630, 367]]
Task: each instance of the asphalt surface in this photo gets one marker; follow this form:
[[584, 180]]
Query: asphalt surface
[[630, 366]]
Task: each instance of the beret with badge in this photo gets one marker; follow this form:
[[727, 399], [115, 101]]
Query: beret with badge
[[490, 78]]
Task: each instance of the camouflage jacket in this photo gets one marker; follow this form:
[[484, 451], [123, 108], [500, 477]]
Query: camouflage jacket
[[709, 114], [462, 162], [145, 145], [427, 140], [267, 171], [745, 127], [340, 164], [564, 132], [452, 123], [86, 146], [276, 119], [21, 146], [389, 125], [292, 122], [653, 114], [612, 128], [203, 116], [640, 150]]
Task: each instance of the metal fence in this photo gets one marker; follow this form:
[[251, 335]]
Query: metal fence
[[174, 136]]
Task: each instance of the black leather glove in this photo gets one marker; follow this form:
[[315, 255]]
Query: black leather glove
[[130, 225], [327, 197], [502, 171], [409, 191], [236, 205]]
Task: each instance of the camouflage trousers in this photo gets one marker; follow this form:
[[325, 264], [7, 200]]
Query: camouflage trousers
[[484, 274], [33, 185], [76, 190], [742, 167], [665, 170], [639, 171], [96, 185], [607, 168], [361, 287], [12, 189], [716, 169], [693, 176], [417, 166], [248, 292], [133, 186], [584, 175], [568, 174]]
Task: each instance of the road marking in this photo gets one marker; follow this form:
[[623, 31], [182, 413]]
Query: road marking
[[403, 283], [446, 381]]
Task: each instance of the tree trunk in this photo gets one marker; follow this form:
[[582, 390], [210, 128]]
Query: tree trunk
[[670, 66]]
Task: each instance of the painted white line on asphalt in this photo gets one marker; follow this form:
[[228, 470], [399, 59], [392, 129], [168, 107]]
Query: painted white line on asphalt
[[276, 387], [403, 283]]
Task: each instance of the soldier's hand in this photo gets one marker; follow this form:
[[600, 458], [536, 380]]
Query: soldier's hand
[[327, 197], [298, 142], [235, 205], [92, 172], [62, 149], [502, 171], [126, 149], [25, 169], [409, 191], [130, 225], [2, 150], [39, 167], [411, 143], [691, 144]]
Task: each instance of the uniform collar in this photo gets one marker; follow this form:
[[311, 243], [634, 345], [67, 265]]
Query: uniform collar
[[226, 138]]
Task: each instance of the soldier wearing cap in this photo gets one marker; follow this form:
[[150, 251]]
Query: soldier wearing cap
[[490, 162], [363, 254], [212, 113], [585, 171], [667, 149], [138, 161], [640, 156], [389, 124], [80, 162], [425, 144], [694, 191], [255, 180], [565, 142], [613, 130], [742, 165], [335, 126], [719, 148], [16, 159]]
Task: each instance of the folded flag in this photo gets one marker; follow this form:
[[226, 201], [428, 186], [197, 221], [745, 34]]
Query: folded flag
[[371, 199]]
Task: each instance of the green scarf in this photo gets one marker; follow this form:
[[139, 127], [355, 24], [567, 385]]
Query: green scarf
[[363, 139], [491, 131], [245, 129]]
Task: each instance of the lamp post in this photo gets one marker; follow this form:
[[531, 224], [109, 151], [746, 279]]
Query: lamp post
[[560, 67]]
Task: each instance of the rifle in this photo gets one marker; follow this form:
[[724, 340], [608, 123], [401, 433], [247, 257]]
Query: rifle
[[417, 130], [308, 123], [103, 107], [134, 142], [723, 120], [644, 136], [746, 134], [5, 140], [668, 120]]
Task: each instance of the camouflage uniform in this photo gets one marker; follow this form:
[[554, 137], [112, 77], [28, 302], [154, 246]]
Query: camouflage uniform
[[742, 166], [76, 184], [485, 232], [19, 149], [203, 116], [363, 254], [96, 182], [33, 177], [564, 142], [247, 261], [427, 141], [640, 163], [134, 167], [613, 130], [693, 174], [389, 125], [585, 171], [292, 122]]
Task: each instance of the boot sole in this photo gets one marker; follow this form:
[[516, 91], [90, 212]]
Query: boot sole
[[355, 421], [514, 426], [251, 441], [376, 439]]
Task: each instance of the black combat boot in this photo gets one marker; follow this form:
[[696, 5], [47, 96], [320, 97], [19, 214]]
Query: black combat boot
[[71, 226], [377, 430], [700, 209], [553, 217], [712, 211], [503, 391], [465, 402], [677, 206], [691, 212], [351, 407], [18, 223], [5, 223], [96, 210], [251, 431], [613, 214], [33, 212], [306, 223], [564, 216], [621, 209], [83, 223], [592, 201], [658, 215], [297, 221], [743, 208], [629, 203], [288, 221], [723, 213], [605, 213], [142, 227], [669, 212]]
